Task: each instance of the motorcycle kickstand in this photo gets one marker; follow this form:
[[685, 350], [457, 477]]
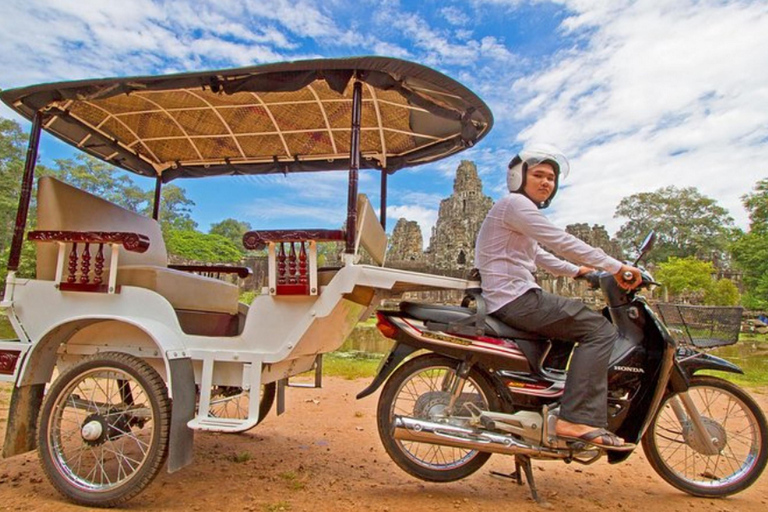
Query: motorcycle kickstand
[[523, 466]]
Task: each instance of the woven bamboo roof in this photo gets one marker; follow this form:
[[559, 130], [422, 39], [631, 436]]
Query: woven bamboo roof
[[273, 118]]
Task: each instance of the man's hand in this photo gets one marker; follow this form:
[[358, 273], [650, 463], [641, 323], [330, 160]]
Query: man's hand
[[628, 284], [583, 270]]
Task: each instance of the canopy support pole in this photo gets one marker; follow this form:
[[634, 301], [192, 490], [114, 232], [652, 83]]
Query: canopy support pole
[[26, 192], [354, 166], [383, 206], [156, 205]]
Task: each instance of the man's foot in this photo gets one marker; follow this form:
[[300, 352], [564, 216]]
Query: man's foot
[[592, 436]]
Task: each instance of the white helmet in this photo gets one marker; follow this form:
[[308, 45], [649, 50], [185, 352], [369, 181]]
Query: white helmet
[[533, 155]]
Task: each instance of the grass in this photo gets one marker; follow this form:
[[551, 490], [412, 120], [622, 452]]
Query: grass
[[280, 506], [352, 365], [6, 331], [292, 479], [241, 457]]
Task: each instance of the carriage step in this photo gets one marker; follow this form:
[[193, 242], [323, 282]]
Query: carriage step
[[222, 424]]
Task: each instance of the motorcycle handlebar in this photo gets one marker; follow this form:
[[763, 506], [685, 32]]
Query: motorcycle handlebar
[[593, 278]]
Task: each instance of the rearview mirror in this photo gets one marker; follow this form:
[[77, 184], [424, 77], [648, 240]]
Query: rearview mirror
[[646, 246]]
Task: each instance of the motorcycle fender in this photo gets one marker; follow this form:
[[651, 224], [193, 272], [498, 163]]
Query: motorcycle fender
[[707, 362], [396, 356]]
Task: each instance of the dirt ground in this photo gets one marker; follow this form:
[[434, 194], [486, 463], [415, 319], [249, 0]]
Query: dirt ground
[[324, 454]]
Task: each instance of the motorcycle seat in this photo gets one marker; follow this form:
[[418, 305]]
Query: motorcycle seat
[[452, 314]]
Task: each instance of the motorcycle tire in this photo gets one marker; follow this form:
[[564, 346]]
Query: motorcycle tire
[[445, 464], [103, 429], [738, 429]]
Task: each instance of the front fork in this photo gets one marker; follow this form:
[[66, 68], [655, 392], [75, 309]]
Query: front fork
[[686, 412]]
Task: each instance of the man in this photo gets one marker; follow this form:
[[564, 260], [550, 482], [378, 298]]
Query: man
[[508, 252]]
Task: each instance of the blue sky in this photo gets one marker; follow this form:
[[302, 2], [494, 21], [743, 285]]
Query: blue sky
[[640, 94]]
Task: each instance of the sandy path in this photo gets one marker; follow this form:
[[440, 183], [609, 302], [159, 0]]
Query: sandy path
[[324, 454]]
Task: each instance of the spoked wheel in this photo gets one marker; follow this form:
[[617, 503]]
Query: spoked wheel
[[233, 402], [738, 431], [420, 388], [103, 429]]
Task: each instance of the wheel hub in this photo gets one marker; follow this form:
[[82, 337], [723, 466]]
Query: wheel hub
[[715, 431], [431, 404], [96, 429]]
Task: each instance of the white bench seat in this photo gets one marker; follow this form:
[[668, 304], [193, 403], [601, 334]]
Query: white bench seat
[[61, 207]]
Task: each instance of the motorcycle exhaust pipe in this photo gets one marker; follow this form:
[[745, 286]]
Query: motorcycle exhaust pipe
[[421, 431]]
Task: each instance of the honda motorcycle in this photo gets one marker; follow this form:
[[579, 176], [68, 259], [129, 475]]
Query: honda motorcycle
[[480, 387]]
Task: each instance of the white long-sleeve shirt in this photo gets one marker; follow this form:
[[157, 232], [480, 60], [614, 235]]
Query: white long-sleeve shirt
[[508, 252]]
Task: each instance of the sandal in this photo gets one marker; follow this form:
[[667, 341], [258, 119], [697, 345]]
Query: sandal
[[598, 438]]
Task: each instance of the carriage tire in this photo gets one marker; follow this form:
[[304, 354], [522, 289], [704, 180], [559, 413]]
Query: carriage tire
[[61, 474]]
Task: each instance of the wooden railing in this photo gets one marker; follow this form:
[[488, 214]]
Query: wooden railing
[[292, 257], [80, 275]]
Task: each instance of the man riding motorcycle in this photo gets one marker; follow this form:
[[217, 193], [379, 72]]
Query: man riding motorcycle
[[508, 252]]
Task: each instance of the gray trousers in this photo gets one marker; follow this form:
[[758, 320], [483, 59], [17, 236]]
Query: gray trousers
[[586, 386]]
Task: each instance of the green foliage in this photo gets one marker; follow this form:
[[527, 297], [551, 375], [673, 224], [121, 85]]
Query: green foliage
[[750, 254], [750, 250], [193, 245], [12, 149], [686, 223], [232, 230], [6, 330], [685, 276], [690, 280], [756, 204], [722, 292], [248, 297], [175, 209]]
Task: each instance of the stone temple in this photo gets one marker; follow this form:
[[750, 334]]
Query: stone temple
[[406, 243], [452, 244]]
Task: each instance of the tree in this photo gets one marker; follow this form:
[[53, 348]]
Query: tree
[[756, 204], [750, 251], [199, 247], [231, 229], [723, 292], [175, 210], [687, 278], [686, 222], [12, 148], [750, 254]]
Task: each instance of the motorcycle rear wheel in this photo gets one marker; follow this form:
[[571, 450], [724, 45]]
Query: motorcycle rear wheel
[[737, 426], [419, 389]]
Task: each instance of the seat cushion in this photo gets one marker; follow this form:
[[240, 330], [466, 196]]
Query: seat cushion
[[182, 289], [450, 314]]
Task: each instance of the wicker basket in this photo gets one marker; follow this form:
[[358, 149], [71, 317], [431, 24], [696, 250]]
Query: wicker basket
[[702, 326]]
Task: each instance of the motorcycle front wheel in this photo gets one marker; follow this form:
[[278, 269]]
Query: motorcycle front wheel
[[420, 388], [738, 431]]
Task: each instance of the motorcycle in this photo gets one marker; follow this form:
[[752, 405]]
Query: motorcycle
[[483, 387]]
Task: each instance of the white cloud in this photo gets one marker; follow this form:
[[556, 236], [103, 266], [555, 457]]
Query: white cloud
[[664, 93], [454, 16]]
